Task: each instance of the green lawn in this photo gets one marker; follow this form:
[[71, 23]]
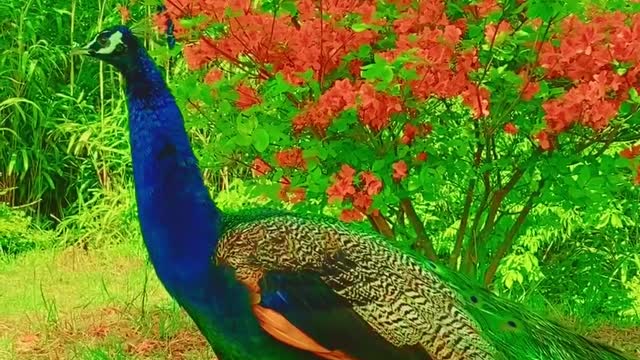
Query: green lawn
[[107, 304], [102, 304]]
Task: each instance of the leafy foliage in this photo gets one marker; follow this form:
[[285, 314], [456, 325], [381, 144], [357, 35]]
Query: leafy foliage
[[470, 115], [53, 144], [18, 234]]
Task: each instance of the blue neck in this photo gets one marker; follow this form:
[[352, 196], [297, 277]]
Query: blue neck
[[180, 223]]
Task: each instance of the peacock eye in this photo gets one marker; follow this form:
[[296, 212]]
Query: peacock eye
[[102, 41], [120, 48]]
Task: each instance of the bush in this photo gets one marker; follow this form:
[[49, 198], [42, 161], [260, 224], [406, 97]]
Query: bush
[[18, 233]]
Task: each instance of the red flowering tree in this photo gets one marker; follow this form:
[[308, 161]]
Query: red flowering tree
[[391, 110]]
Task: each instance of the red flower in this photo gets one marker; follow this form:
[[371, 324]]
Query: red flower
[[493, 33], [247, 97], [362, 201], [259, 167], [587, 103], [372, 185], [375, 109], [631, 153], [477, 99], [400, 170], [529, 88], [340, 190], [346, 172], [197, 55], [354, 68], [421, 157], [545, 140], [486, 7], [291, 158], [285, 184], [125, 15], [510, 128], [349, 215], [535, 23], [213, 76], [297, 195], [319, 116], [290, 195], [342, 187], [425, 129], [410, 132], [636, 181]]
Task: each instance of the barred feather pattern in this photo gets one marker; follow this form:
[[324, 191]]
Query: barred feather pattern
[[398, 295]]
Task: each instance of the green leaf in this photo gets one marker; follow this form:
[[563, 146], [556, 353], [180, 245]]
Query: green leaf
[[378, 165], [242, 140], [408, 74], [425, 175], [246, 125], [193, 22], [379, 70], [633, 95], [289, 6], [584, 176], [364, 52], [615, 220], [344, 121], [360, 27], [544, 9], [318, 151], [278, 86], [260, 139], [508, 280]]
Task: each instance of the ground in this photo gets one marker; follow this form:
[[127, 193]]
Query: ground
[[101, 304], [107, 304]]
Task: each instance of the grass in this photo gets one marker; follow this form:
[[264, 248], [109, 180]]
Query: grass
[[101, 304], [106, 303]]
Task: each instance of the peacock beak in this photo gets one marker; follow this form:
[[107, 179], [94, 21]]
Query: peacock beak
[[79, 51], [85, 50]]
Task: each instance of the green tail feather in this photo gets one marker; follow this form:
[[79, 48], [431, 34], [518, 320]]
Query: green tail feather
[[501, 329], [517, 333]]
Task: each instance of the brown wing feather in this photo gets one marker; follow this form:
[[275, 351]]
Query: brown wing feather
[[280, 328], [403, 301]]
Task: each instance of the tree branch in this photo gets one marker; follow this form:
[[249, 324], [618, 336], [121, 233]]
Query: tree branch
[[470, 254], [423, 242], [497, 198], [511, 234], [496, 202], [494, 153], [607, 143], [401, 215], [381, 225], [464, 220]]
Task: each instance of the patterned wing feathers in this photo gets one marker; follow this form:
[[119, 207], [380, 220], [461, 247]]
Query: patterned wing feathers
[[395, 294]]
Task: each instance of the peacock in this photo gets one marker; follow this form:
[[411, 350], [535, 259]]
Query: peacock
[[269, 284]]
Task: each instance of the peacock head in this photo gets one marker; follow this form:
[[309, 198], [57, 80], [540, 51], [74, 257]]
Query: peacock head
[[116, 45]]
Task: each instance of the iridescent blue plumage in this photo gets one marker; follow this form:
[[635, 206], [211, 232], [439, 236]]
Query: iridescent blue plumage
[[179, 222]]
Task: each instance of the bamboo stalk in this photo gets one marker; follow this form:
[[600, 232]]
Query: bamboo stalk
[[72, 73]]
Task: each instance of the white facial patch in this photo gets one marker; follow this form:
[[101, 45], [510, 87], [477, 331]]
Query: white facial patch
[[114, 40]]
